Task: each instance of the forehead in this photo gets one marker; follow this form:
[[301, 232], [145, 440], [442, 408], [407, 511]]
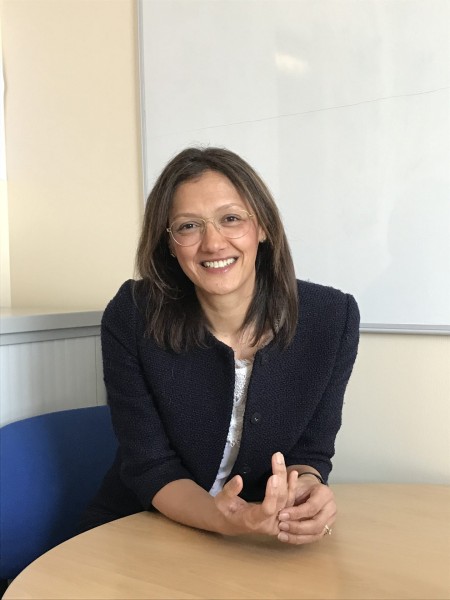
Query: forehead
[[205, 194]]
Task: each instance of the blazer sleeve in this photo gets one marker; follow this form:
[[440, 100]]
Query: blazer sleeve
[[148, 462], [316, 445]]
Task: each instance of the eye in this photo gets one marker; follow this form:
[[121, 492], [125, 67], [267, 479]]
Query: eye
[[231, 219], [186, 226]]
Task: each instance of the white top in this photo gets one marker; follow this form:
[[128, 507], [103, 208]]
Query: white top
[[243, 370]]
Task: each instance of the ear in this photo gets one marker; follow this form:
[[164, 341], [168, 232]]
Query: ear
[[262, 236], [172, 253]]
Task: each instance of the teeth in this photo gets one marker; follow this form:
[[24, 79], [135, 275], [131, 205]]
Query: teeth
[[218, 264]]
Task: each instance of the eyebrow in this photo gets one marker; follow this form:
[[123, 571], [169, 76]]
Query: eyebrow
[[188, 214]]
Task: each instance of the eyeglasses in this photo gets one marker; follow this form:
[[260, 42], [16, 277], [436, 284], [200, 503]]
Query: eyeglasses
[[232, 223]]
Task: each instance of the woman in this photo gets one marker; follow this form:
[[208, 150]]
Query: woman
[[225, 376]]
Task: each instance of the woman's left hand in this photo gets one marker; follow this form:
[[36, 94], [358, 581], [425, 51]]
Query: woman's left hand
[[310, 512]]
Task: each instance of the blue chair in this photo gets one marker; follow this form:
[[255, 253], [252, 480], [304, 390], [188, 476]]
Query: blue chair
[[50, 468]]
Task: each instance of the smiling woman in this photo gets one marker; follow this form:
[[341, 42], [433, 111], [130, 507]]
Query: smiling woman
[[196, 186], [225, 375]]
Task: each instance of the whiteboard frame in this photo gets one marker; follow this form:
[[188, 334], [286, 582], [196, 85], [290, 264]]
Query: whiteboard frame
[[142, 110], [408, 329]]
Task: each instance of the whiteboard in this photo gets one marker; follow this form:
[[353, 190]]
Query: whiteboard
[[343, 107]]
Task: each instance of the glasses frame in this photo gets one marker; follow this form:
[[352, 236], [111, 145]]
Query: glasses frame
[[217, 227]]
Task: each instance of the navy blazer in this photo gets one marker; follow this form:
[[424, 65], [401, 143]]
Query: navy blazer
[[171, 412]]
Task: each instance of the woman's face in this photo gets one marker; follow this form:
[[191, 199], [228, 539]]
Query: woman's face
[[206, 197]]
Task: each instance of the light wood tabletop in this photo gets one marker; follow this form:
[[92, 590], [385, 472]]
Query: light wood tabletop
[[390, 541]]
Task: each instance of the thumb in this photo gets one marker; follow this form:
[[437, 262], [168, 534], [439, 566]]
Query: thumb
[[233, 487]]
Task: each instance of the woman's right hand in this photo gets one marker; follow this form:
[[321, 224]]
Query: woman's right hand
[[240, 517]]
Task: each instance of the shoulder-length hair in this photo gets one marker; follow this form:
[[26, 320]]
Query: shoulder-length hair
[[174, 317]]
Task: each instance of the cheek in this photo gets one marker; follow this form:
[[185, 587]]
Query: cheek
[[254, 243], [186, 259]]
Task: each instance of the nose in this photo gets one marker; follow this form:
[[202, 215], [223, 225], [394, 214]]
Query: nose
[[212, 239]]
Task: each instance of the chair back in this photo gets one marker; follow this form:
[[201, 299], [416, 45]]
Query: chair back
[[50, 468]]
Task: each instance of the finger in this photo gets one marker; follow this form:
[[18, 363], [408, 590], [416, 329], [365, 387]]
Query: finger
[[279, 465], [269, 505], [233, 487], [297, 540], [292, 488], [320, 495], [312, 527], [279, 469], [227, 500]]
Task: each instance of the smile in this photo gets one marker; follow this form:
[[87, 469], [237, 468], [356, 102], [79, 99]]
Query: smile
[[218, 264]]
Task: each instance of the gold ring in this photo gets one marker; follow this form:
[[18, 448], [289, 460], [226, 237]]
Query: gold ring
[[327, 530]]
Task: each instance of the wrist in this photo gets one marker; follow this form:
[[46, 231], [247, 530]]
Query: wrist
[[314, 476], [222, 523]]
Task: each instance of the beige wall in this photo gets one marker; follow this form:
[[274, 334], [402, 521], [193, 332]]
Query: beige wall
[[73, 149], [75, 204], [5, 276], [396, 421]]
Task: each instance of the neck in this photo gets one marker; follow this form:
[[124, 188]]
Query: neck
[[225, 314]]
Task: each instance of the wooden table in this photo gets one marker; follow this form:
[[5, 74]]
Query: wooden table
[[390, 541]]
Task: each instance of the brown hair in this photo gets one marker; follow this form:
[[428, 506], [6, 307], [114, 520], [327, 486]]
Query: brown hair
[[173, 314]]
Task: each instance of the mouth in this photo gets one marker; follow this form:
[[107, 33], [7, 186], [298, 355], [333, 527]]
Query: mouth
[[218, 264]]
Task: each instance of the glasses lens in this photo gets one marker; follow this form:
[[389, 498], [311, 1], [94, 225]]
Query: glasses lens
[[233, 223], [187, 232]]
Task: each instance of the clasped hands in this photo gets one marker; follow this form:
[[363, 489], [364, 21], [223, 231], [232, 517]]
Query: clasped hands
[[295, 509]]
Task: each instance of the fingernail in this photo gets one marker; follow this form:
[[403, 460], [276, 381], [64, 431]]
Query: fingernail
[[284, 517], [274, 481], [284, 526], [280, 458], [283, 537]]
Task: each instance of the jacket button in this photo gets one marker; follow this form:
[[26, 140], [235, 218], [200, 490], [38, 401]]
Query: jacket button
[[245, 470], [256, 418]]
